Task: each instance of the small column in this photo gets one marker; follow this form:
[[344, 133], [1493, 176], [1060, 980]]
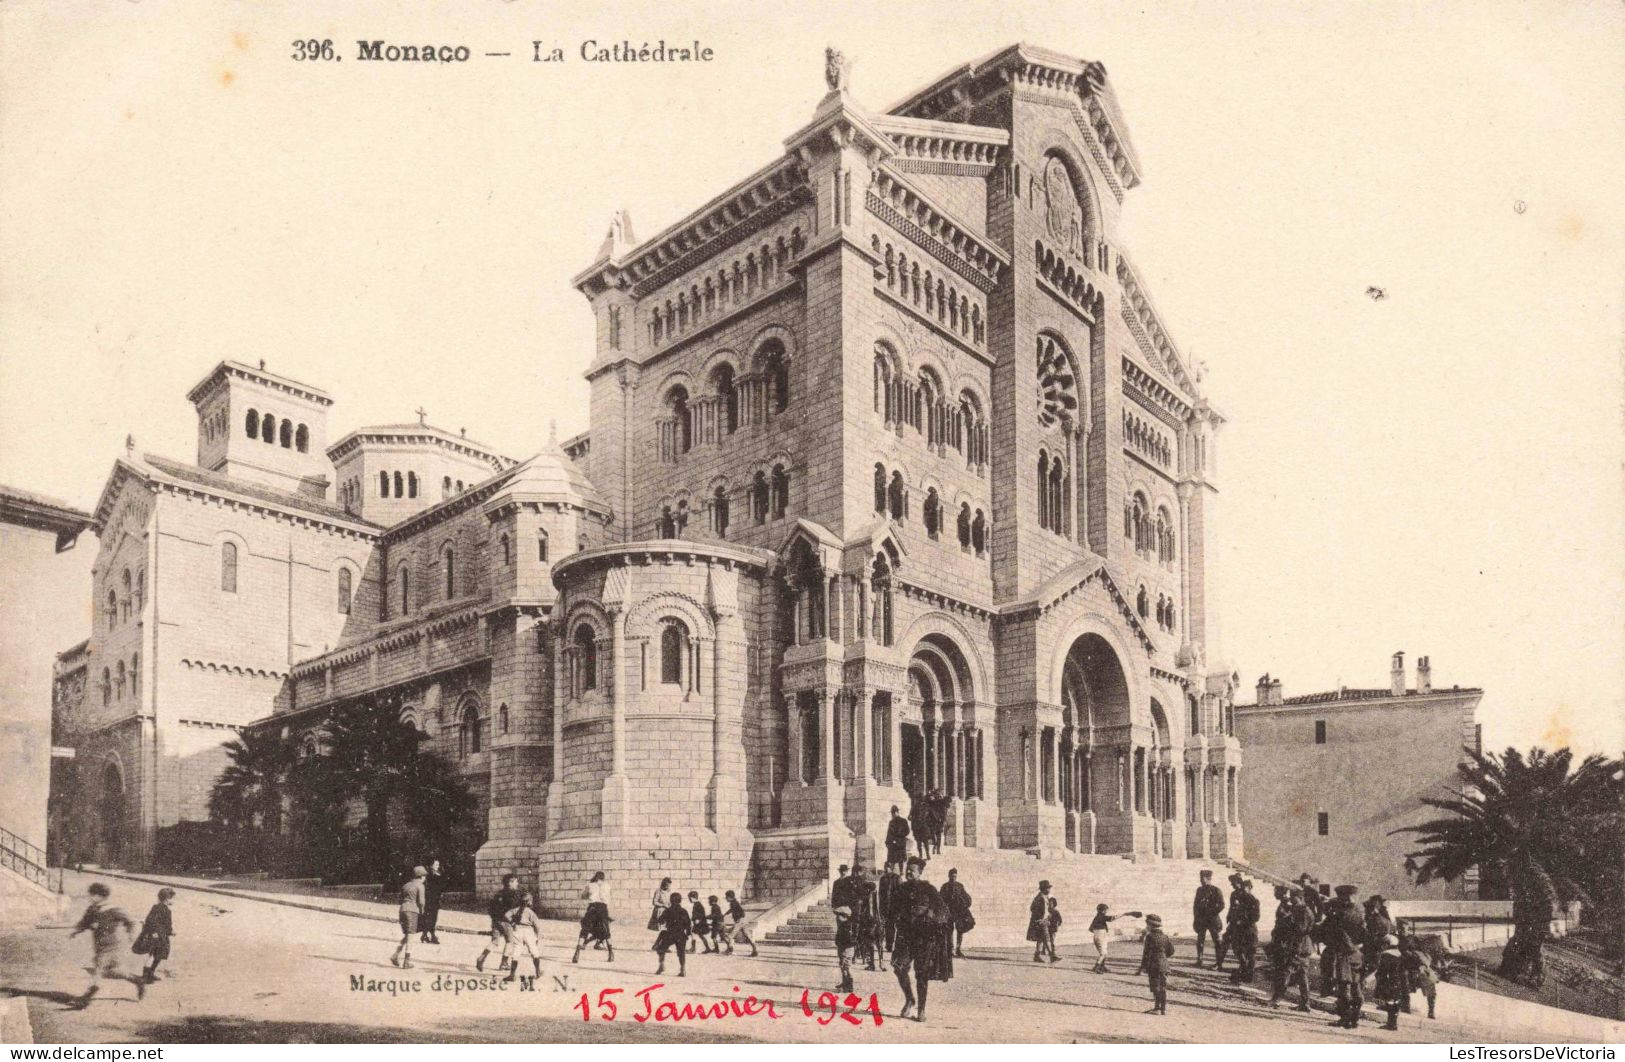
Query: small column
[[798, 754], [830, 723]]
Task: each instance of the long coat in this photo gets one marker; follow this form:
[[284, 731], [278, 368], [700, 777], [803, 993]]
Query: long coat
[[155, 932], [923, 926]]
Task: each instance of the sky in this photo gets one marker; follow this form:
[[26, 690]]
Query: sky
[[1437, 471]]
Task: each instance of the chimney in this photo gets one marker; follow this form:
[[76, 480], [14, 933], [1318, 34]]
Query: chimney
[[1397, 674], [1424, 675], [1275, 691], [1262, 695]]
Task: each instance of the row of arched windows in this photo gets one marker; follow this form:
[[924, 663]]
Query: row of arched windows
[[401, 485], [215, 425], [266, 428], [505, 544], [1167, 615], [731, 402], [923, 404], [1054, 494], [768, 497], [759, 268], [939, 298], [114, 679], [1146, 440], [119, 609], [892, 497], [1150, 533]]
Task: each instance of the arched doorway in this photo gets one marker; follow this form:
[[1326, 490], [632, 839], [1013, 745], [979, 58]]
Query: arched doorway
[[1160, 780], [940, 739], [110, 815], [1092, 745]]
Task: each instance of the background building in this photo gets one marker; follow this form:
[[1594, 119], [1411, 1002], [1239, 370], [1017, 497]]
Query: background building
[[41, 586], [1331, 775]]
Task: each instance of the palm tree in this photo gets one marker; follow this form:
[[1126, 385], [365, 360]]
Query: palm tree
[[1529, 820], [248, 793]]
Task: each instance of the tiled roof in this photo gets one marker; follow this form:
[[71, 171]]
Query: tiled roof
[[285, 499], [1335, 696]]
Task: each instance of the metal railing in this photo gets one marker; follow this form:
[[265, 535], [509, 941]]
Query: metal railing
[[20, 857]]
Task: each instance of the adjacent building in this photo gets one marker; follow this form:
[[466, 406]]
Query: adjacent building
[[895, 482], [1331, 776]]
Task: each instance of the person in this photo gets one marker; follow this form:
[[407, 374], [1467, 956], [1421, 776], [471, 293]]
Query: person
[[737, 930], [411, 913], [105, 923], [1101, 933], [1289, 948], [1419, 973], [923, 948], [1154, 955], [595, 920], [699, 922], [1341, 933], [1378, 925], [958, 900], [1054, 927], [675, 926], [1243, 931], [896, 840], [1312, 899], [433, 886], [1389, 985], [506, 899], [1039, 928], [919, 824], [866, 916], [938, 807], [153, 940], [1229, 917], [846, 899], [657, 904], [889, 881], [1206, 912], [713, 914], [527, 934]]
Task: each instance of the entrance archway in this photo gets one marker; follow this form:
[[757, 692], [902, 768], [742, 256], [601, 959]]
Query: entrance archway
[[941, 717], [1094, 711], [110, 815]]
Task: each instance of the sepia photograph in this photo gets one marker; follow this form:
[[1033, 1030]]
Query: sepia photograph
[[911, 524]]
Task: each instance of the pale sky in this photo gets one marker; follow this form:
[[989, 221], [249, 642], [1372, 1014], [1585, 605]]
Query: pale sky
[[1438, 471]]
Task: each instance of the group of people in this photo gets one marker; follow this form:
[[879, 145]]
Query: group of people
[[419, 910], [109, 927], [713, 926], [1355, 941], [904, 916], [927, 817]]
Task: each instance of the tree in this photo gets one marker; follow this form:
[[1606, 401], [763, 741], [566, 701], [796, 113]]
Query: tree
[[248, 794], [1535, 824]]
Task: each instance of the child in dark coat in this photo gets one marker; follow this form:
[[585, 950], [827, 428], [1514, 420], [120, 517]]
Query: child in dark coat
[[1154, 958], [700, 922], [675, 928], [153, 939]]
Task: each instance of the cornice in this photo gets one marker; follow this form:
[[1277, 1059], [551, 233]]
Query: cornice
[[897, 202], [1156, 395], [662, 551], [1146, 324], [1059, 590], [227, 370]]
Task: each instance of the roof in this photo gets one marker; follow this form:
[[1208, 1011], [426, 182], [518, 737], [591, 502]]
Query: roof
[[429, 432], [1333, 697], [549, 474], [272, 380], [27, 509], [191, 474]]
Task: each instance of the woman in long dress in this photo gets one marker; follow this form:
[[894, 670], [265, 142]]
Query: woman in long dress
[[595, 922], [657, 904]]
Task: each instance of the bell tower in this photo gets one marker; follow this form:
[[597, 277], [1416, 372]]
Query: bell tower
[[255, 425]]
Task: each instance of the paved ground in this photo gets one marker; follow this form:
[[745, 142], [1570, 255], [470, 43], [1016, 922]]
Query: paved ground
[[246, 969]]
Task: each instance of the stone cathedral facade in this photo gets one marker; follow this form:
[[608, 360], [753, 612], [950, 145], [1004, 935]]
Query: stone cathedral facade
[[895, 482]]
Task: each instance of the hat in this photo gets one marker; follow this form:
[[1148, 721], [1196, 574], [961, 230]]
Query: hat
[[98, 889], [1390, 941], [1153, 921], [1346, 890], [1246, 883], [915, 861], [1042, 885], [1236, 878], [844, 868], [1207, 874], [419, 872], [894, 809], [1377, 898], [165, 894]]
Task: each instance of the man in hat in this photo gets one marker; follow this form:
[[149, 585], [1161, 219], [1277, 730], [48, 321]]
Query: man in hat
[[1289, 948], [414, 898], [958, 900], [1310, 895], [1205, 913], [847, 900], [866, 917], [1229, 919], [1154, 956], [1243, 929], [924, 948], [919, 824], [1039, 928], [1341, 933], [896, 840]]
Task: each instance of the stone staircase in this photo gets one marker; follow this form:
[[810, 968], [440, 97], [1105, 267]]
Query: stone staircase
[[1002, 883]]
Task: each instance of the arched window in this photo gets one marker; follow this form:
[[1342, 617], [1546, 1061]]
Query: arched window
[[459, 486], [682, 422], [1196, 714], [112, 609], [880, 488], [448, 570], [883, 382], [268, 428], [880, 589], [251, 424], [1057, 496], [107, 686], [1173, 617], [120, 680], [411, 484], [541, 546], [781, 491], [667, 525], [383, 484], [586, 658], [964, 526], [719, 512], [759, 497], [228, 567], [140, 590], [1043, 488], [135, 674], [129, 594], [445, 487], [345, 590], [776, 368], [506, 545], [1142, 604], [722, 378], [978, 533], [403, 577], [681, 516], [932, 513], [502, 718], [301, 439], [897, 497], [673, 651], [473, 731], [286, 434], [400, 486]]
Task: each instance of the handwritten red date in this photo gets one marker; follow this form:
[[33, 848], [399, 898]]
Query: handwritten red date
[[826, 1009]]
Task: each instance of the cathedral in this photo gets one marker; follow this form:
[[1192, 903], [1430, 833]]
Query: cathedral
[[895, 483]]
